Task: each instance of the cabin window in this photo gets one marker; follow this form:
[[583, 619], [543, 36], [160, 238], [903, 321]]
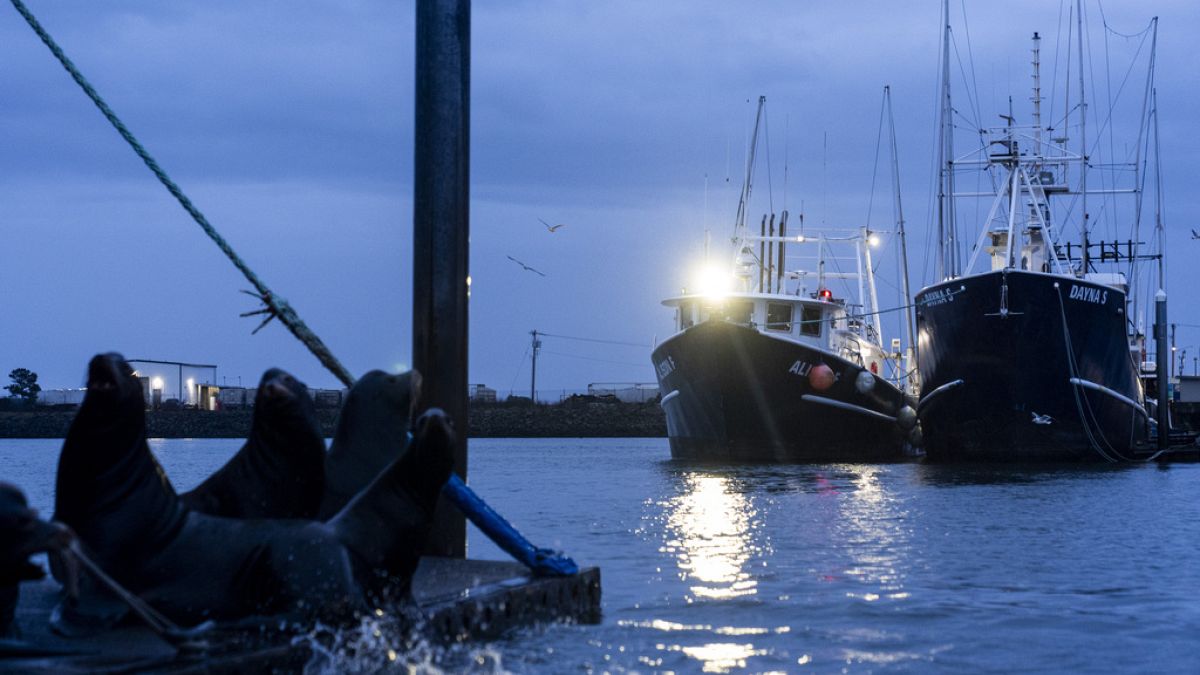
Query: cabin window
[[810, 318], [740, 312], [687, 317], [779, 316]]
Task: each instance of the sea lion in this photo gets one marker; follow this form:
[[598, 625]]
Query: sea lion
[[22, 534], [193, 566], [280, 471], [372, 429]]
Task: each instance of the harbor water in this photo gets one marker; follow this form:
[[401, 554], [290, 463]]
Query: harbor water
[[819, 568]]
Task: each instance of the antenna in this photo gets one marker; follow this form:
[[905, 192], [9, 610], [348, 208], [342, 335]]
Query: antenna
[[1037, 93], [824, 166]]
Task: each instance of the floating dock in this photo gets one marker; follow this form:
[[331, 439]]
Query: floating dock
[[460, 601]]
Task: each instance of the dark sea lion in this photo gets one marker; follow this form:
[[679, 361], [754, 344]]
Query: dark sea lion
[[192, 566], [371, 432], [280, 471]]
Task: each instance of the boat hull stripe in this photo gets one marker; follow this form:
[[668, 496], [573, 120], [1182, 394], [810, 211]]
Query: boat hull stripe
[[940, 390], [842, 405], [1086, 384]]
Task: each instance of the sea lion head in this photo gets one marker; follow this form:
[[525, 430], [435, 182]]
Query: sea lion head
[[111, 380], [379, 411], [114, 407], [283, 404]]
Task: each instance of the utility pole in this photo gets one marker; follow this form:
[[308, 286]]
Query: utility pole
[[537, 345]]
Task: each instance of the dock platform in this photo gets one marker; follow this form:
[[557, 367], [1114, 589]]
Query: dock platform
[[460, 600]]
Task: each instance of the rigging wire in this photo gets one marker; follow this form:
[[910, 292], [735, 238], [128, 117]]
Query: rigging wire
[[963, 73], [971, 60], [520, 367], [934, 175], [1054, 77], [875, 166]]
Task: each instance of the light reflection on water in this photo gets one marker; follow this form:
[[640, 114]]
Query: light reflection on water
[[871, 528], [709, 533], [720, 542]]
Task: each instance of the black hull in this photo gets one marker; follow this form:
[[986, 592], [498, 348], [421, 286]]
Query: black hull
[[733, 394], [1025, 384]]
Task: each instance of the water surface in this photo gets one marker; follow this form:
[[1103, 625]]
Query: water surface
[[826, 568]]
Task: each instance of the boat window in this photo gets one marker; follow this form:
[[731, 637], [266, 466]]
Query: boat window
[[810, 320], [687, 317], [779, 316], [739, 312]]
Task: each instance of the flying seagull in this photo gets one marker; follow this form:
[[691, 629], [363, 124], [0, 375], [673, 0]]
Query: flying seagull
[[1195, 235], [554, 228], [1042, 419], [523, 265]]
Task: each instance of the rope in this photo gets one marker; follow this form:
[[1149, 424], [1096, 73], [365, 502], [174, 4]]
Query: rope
[[276, 307], [1080, 400], [182, 638]]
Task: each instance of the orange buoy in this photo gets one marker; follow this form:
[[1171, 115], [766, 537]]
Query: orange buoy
[[821, 377]]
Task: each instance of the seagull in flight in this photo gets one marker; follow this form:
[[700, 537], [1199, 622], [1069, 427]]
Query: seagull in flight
[[1195, 235], [554, 228], [1042, 419], [524, 266]]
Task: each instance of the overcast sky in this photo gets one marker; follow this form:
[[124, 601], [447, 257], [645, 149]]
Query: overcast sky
[[290, 125]]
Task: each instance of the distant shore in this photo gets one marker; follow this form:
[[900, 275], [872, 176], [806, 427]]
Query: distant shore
[[567, 420]]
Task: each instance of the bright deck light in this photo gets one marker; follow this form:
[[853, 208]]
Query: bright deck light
[[713, 280], [157, 383], [873, 240]]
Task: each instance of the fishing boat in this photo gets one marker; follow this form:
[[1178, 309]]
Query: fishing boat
[[782, 357], [1032, 350]]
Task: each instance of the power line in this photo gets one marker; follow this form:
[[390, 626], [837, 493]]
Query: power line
[[588, 358], [583, 339]]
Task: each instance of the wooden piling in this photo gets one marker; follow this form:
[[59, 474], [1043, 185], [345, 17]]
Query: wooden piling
[[441, 229]]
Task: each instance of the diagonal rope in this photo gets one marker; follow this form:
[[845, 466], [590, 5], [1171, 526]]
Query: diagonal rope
[[276, 307]]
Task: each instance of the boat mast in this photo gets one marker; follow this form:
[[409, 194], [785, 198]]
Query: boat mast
[[744, 255], [1083, 152], [872, 315], [1158, 202], [947, 263], [903, 249]]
